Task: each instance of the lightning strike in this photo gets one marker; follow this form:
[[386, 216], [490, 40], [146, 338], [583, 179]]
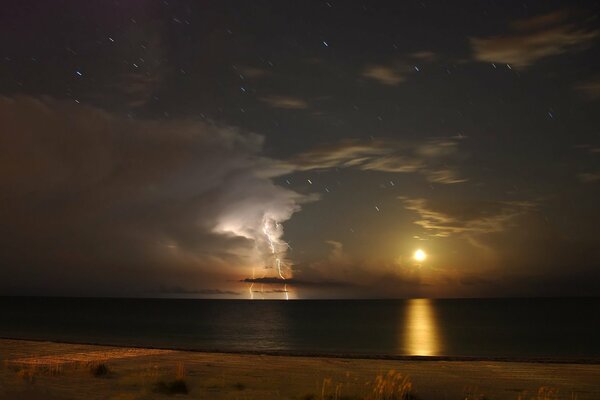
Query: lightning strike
[[274, 243]]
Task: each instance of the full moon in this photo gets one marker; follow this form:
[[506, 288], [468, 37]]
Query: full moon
[[420, 255]]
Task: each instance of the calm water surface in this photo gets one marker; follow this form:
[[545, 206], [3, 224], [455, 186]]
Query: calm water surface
[[557, 328]]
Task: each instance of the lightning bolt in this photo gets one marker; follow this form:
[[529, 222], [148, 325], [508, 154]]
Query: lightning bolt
[[272, 240], [251, 286]]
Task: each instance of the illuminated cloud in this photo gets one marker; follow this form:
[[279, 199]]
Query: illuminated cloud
[[426, 56], [384, 75], [285, 102], [589, 177], [397, 72], [590, 88], [93, 202], [429, 158], [533, 39], [592, 175], [249, 72], [343, 275], [446, 218]]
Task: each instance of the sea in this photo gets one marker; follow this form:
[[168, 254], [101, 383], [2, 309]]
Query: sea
[[530, 329]]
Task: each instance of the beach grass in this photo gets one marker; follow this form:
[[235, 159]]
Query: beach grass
[[64, 372]]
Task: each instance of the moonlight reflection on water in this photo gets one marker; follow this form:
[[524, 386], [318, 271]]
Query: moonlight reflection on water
[[421, 337]]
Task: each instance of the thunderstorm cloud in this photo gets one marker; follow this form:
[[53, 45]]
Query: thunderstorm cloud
[[127, 206]]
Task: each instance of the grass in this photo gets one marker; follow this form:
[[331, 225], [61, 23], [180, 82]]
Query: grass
[[390, 386], [177, 386], [151, 379], [28, 375], [99, 370]]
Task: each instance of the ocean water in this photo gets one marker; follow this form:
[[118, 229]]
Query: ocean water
[[504, 328]]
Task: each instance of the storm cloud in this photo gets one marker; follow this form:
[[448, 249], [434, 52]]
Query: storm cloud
[[97, 203]]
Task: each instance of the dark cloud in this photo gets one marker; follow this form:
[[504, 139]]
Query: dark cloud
[[298, 282], [285, 102], [533, 39], [177, 290]]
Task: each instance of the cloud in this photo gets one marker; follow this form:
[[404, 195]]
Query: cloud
[[533, 39], [298, 282], [93, 203], [249, 72], [345, 275], [285, 102], [426, 56], [589, 148], [398, 71], [384, 75], [589, 177], [445, 218], [429, 158], [177, 290], [590, 88]]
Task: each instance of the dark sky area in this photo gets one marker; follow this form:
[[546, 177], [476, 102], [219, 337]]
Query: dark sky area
[[300, 149]]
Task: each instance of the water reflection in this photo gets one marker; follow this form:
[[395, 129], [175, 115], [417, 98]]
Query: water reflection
[[421, 333]]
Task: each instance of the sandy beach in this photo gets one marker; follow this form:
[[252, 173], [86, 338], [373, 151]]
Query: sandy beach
[[45, 370]]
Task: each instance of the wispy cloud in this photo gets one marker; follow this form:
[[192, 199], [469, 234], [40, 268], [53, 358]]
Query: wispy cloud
[[589, 177], [446, 218], [430, 158], [532, 39], [590, 88], [397, 72], [249, 72], [385, 75], [285, 102]]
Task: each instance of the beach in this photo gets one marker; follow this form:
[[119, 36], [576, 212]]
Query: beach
[[56, 371]]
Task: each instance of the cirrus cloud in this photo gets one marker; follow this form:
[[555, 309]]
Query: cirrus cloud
[[533, 39], [445, 218], [430, 158]]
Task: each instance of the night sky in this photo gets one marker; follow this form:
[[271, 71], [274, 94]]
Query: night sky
[[299, 149]]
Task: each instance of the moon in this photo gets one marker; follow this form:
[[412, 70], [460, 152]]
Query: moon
[[420, 255]]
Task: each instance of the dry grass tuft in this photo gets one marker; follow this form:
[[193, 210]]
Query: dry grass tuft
[[392, 386], [99, 370], [28, 375], [473, 393], [178, 386], [181, 372], [546, 393]]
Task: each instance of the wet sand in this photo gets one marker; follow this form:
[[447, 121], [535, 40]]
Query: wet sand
[[55, 371]]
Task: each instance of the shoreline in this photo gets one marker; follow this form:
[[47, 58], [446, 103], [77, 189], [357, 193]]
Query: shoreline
[[348, 356]]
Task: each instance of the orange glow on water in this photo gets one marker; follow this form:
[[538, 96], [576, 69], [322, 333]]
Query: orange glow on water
[[421, 337]]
